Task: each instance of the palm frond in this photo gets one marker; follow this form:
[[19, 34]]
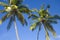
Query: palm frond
[[25, 22], [13, 2], [9, 1], [47, 34], [33, 16], [34, 10], [24, 9], [22, 6], [3, 4], [0, 21], [48, 6], [52, 21], [19, 2], [39, 28], [10, 23], [42, 7], [54, 17], [2, 11], [6, 16], [20, 17], [50, 28], [16, 2], [57, 17], [33, 26]]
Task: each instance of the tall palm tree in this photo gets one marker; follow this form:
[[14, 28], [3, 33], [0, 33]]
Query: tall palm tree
[[44, 19], [14, 9]]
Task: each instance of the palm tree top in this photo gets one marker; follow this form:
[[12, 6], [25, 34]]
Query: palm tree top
[[45, 19], [14, 10]]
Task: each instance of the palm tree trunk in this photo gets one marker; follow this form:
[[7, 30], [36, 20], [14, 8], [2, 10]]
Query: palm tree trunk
[[16, 30]]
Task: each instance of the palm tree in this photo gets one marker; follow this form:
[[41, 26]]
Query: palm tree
[[44, 19], [14, 9]]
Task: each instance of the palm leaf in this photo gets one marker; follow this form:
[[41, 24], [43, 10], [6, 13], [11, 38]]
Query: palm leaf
[[20, 17], [24, 9], [22, 6], [25, 22], [16, 2], [9, 1], [48, 6], [33, 26], [42, 7], [39, 28], [33, 16], [13, 2], [10, 23], [47, 34], [57, 17], [0, 21], [50, 28], [34, 10], [54, 17], [2, 11], [19, 2], [3, 4], [6, 16], [52, 21]]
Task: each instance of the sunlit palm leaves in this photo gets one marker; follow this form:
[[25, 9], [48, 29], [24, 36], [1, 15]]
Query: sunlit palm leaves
[[13, 9], [3, 4], [2, 11], [15, 2], [20, 17], [47, 34], [46, 19]]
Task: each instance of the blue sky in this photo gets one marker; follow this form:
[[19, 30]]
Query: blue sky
[[24, 32]]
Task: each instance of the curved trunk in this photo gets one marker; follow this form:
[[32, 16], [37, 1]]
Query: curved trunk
[[16, 30]]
